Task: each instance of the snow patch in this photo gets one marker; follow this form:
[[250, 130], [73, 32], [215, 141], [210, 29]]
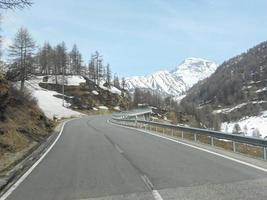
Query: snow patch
[[51, 105], [71, 80], [228, 110], [103, 107], [95, 92], [117, 108], [112, 89], [251, 123]]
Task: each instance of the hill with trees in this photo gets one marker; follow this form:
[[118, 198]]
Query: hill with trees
[[236, 90]]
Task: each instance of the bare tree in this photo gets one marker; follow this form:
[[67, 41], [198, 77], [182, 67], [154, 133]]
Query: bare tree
[[15, 4], [108, 75], [116, 81], [123, 83], [45, 59], [75, 60], [21, 51], [92, 70]]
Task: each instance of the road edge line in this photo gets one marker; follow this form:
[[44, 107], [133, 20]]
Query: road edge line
[[29, 171], [195, 147]]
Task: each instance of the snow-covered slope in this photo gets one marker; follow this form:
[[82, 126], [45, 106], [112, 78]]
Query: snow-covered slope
[[174, 82], [161, 81], [51, 105], [193, 70], [248, 125]]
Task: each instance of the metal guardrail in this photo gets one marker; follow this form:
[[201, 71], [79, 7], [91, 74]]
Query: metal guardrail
[[197, 131], [133, 113]]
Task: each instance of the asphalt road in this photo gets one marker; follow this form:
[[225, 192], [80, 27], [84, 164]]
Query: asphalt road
[[96, 160]]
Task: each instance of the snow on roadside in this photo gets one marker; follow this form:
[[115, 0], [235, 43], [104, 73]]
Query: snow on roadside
[[51, 105], [252, 123]]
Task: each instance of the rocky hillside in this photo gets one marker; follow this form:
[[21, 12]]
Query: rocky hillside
[[174, 82], [81, 93]]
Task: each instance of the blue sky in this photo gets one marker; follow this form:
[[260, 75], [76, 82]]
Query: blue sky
[[138, 37]]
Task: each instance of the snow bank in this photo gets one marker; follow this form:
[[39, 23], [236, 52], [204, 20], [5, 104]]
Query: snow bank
[[51, 105], [252, 123]]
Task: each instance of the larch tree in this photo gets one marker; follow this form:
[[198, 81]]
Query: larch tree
[[92, 71], [108, 75], [45, 59], [21, 51], [60, 59], [75, 60], [116, 81], [123, 83]]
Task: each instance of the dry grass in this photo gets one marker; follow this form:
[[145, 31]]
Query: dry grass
[[250, 150], [22, 125]]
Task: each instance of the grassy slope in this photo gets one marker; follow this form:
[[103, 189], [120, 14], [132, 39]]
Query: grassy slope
[[22, 124]]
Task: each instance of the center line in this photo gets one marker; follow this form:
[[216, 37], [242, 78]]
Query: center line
[[149, 184]]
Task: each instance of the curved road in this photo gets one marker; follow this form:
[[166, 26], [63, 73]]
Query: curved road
[[96, 160]]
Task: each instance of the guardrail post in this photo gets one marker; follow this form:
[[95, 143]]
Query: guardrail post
[[195, 137], [182, 134], [156, 129], [212, 142], [172, 132], [265, 153], [234, 148]]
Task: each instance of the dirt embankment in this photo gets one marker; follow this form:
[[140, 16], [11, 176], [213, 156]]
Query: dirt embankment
[[22, 124]]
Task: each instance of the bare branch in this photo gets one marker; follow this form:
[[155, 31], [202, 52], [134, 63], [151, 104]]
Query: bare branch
[[15, 4]]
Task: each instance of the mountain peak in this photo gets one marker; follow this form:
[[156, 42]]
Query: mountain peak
[[177, 81], [195, 64]]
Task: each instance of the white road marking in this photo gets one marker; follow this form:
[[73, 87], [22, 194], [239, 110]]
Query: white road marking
[[118, 149], [157, 195], [24, 176], [195, 147], [149, 184]]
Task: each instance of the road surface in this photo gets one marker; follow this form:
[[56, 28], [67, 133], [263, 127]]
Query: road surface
[[96, 160]]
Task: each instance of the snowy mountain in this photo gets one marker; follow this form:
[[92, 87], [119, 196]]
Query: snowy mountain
[[174, 82]]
